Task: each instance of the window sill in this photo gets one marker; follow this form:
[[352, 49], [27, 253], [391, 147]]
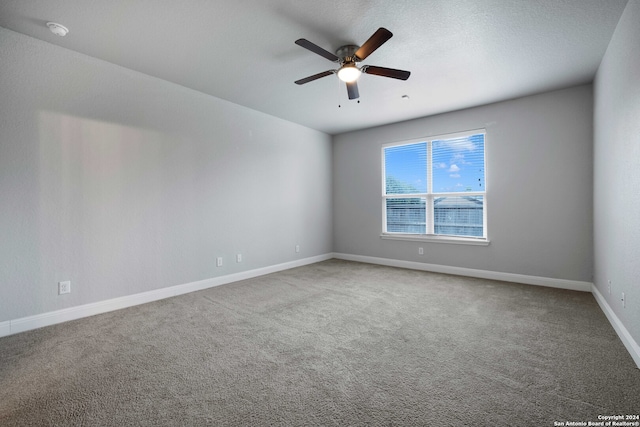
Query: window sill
[[436, 239]]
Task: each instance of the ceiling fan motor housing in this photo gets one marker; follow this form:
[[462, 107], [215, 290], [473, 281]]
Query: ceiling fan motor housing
[[347, 53]]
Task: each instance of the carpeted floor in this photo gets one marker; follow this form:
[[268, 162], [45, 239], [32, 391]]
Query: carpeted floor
[[330, 344]]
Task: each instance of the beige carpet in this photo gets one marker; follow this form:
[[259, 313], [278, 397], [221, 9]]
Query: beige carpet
[[331, 344]]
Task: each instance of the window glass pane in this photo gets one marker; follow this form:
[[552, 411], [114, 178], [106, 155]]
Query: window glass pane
[[458, 164], [458, 216], [406, 169], [406, 215]]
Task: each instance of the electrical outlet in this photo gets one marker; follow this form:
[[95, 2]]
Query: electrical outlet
[[623, 301], [420, 251], [219, 261], [609, 287], [238, 257], [64, 287], [297, 248]]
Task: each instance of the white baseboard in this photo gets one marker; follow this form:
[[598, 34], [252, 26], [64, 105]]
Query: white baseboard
[[632, 346], [23, 324], [573, 285], [5, 328]]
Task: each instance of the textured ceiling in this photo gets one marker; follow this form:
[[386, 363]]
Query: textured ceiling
[[461, 53]]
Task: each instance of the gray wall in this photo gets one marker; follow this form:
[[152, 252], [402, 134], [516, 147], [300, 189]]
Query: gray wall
[[539, 183], [123, 183], [617, 171]]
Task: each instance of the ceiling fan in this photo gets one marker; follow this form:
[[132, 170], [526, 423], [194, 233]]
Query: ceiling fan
[[348, 56]]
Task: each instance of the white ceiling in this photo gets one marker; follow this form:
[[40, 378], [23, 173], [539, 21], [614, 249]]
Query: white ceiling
[[461, 53]]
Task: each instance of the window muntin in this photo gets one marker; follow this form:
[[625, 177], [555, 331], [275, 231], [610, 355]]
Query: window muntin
[[435, 187]]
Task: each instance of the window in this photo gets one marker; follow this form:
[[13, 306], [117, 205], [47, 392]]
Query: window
[[435, 188]]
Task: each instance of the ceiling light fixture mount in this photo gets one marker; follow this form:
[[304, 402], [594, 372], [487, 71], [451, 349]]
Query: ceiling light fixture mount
[[58, 29]]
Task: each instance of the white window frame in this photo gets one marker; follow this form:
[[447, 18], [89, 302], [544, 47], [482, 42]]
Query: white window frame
[[430, 236]]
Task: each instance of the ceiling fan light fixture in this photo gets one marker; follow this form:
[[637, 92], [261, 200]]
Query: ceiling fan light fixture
[[349, 73]]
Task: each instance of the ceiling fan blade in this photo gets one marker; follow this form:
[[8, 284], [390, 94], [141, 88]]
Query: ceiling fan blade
[[314, 77], [386, 72], [317, 49], [375, 41], [352, 90]]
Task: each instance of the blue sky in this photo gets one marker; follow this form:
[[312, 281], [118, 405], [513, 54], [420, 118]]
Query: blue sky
[[458, 164]]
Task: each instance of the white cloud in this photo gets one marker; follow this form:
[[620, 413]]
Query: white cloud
[[458, 144], [454, 175], [440, 165], [459, 158], [454, 168]]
